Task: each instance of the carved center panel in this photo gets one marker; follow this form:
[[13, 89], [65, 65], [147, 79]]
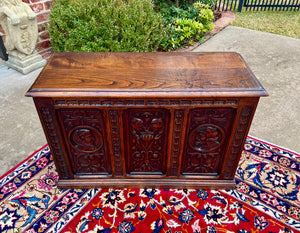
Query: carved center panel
[[206, 137], [147, 131]]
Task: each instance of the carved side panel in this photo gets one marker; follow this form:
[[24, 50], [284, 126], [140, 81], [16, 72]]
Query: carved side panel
[[83, 129], [238, 141], [146, 131], [51, 130], [206, 140]]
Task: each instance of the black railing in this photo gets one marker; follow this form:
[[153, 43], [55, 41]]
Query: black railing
[[258, 5]]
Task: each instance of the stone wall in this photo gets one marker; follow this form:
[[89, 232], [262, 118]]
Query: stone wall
[[42, 10]]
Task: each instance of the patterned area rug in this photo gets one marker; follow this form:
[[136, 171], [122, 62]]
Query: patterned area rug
[[266, 199]]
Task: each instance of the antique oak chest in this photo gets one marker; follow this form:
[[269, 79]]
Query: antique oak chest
[[176, 120]]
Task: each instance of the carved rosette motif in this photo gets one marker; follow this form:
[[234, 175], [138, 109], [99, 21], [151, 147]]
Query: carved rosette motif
[[56, 148], [206, 139], [147, 140], [83, 129]]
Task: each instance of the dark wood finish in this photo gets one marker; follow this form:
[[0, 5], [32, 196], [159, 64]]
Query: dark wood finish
[[146, 119], [206, 140], [147, 140]]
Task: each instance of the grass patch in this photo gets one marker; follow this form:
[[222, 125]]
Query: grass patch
[[285, 23]]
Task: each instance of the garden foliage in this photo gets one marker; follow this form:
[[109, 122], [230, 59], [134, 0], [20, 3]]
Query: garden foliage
[[186, 3], [185, 25], [126, 25], [105, 25]]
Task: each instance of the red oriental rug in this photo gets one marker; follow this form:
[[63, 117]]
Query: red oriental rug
[[266, 199]]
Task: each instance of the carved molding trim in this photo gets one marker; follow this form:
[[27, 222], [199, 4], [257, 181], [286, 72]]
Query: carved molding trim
[[150, 102], [116, 141], [58, 154], [177, 135], [239, 136]]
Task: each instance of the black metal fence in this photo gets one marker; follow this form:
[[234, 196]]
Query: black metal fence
[[258, 5]]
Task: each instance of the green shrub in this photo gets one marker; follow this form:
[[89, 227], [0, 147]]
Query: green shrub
[[105, 25], [183, 4], [209, 3], [185, 31], [205, 15], [186, 25], [179, 3]]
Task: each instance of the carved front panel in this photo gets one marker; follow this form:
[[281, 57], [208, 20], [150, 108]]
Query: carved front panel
[[83, 129], [146, 134], [208, 131]]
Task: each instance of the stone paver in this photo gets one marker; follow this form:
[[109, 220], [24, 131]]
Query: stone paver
[[20, 130]]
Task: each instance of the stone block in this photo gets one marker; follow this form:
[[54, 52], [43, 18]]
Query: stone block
[[26, 64]]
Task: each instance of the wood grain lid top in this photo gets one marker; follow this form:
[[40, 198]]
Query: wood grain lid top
[[146, 75]]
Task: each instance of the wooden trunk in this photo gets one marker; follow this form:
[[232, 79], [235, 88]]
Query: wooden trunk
[[174, 120]]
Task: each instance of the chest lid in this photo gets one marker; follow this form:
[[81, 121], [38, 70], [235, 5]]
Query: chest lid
[[129, 75]]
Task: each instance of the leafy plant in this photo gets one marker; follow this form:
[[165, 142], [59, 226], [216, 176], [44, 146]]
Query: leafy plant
[[185, 25], [105, 25], [209, 3]]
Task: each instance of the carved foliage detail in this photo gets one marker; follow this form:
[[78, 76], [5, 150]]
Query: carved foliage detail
[[206, 139], [147, 138], [84, 132]]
